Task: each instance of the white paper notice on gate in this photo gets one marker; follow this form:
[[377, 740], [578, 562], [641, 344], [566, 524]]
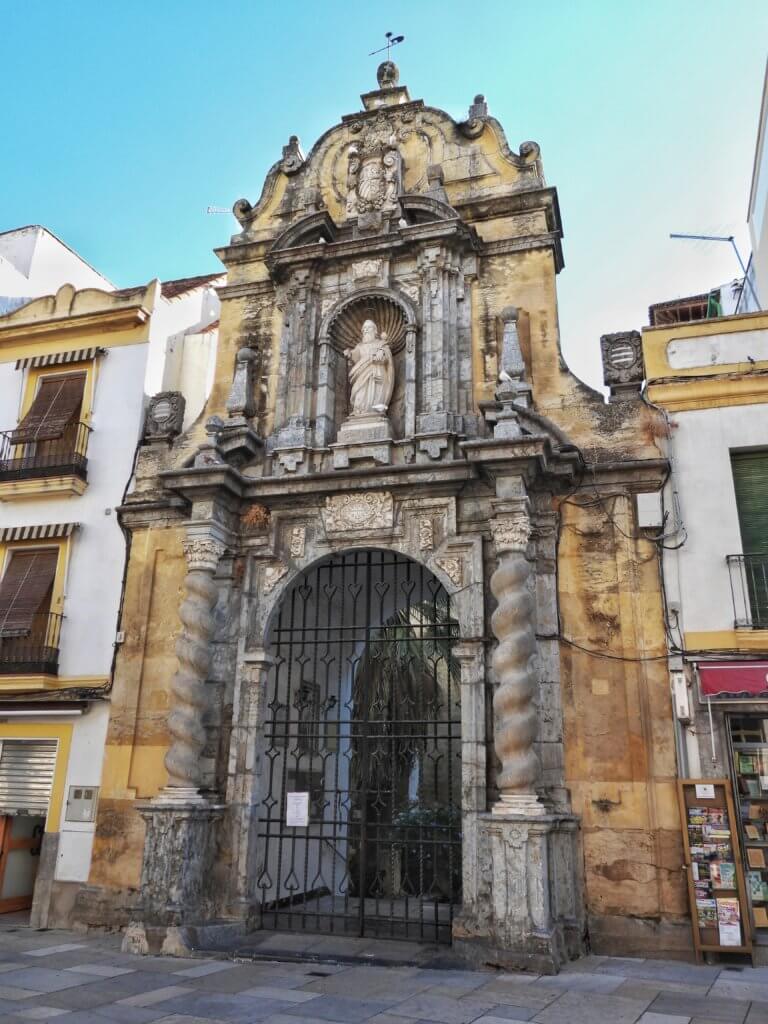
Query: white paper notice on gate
[[297, 809]]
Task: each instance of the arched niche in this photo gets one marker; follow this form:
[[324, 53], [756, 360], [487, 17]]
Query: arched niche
[[340, 331]]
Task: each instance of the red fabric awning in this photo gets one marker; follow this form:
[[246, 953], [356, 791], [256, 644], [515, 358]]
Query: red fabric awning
[[734, 679]]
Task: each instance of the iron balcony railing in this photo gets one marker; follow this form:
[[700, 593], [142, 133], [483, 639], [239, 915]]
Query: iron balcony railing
[[62, 456], [33, 650], [749, 590]]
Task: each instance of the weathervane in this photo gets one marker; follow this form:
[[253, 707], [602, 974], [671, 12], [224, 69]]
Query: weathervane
[[391, 41]]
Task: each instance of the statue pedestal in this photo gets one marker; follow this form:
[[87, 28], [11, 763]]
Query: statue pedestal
[[363, 437], [527, 910], [179, 846]]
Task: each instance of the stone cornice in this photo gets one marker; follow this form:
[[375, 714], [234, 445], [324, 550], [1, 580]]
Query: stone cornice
[[197, 483], [447, 232], [530, 456], [636, 475]]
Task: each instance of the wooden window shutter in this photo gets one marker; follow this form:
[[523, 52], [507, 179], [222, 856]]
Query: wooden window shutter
[[750, 481], [24, 589], [57, 402]]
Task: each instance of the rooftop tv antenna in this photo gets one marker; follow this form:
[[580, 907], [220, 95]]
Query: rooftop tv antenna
[[724, 238], [392, 40]]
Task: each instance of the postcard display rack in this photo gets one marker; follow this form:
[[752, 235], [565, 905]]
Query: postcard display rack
[[750, 763], [716, 884]]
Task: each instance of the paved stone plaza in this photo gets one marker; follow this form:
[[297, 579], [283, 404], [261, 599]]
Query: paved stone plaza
[[85, 978]]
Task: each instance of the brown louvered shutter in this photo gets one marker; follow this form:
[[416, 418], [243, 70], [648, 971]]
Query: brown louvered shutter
[[25, 589], [57, 403]]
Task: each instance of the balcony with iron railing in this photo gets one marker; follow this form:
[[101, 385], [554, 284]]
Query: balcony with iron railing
[[749, 590], [33, 650], [63, 456]]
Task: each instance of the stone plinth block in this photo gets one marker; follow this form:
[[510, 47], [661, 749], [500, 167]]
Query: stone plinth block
[[528, 910], [178, 857]]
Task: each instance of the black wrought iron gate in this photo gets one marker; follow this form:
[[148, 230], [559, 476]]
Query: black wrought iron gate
[[360, 825]]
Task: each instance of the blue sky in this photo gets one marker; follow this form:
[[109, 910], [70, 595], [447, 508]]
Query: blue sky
[[122, 122]]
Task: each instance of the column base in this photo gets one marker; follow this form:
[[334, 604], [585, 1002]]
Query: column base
[[526, 804], [180, 796], [176, 872], [529, 908]]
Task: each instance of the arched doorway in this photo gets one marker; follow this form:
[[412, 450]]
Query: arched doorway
[[360, 821]]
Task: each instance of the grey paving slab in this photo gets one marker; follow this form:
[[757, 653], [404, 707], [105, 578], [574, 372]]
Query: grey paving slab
[[157, 995], [758, 1013], [654, 970], [281, 1018], [16, 993], [638, 988], [506, 1013], [101, 970], [238, 979], [183, 1018], [443, 1010], [371, 983], [746, 991], [499, 1020], [39, 1012], [582, 982], [341, 1009], [728, 1011], [591, 1008], [203, 970], [533, 996], [50, 950], [285, 995], [128, 1014], [43, 979], [78, 1017], [236, 1009], [662, 1018]]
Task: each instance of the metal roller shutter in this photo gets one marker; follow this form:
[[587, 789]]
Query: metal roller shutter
[[26, 775]]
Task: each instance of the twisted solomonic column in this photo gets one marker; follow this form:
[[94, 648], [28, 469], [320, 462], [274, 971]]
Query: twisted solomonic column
[[514, 702], [188, 692]]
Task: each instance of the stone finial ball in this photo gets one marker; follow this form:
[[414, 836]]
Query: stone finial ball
[[387, 74]]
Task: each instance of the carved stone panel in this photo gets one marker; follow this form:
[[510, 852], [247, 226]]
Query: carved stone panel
[[370, 510]]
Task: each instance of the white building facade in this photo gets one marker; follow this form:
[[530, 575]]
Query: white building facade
[[77, 366]]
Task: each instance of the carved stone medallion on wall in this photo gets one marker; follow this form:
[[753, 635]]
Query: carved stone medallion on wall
[[165, 416], [370, 510]]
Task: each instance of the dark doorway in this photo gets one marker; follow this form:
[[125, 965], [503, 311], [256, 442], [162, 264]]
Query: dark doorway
[[360, 824]]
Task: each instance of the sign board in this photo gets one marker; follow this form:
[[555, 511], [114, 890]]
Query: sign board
[[705, 792], [297, 810]]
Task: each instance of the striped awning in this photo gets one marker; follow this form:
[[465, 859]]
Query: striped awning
[[47, 532], [79, 355]]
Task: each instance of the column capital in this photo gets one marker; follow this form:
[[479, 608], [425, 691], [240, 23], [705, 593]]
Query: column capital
[[203, 551], [511, 524]]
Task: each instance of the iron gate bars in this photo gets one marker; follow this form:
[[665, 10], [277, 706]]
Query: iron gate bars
[[363, 715]]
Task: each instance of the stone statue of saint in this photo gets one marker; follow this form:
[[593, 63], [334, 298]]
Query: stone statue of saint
[[372, 373]]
